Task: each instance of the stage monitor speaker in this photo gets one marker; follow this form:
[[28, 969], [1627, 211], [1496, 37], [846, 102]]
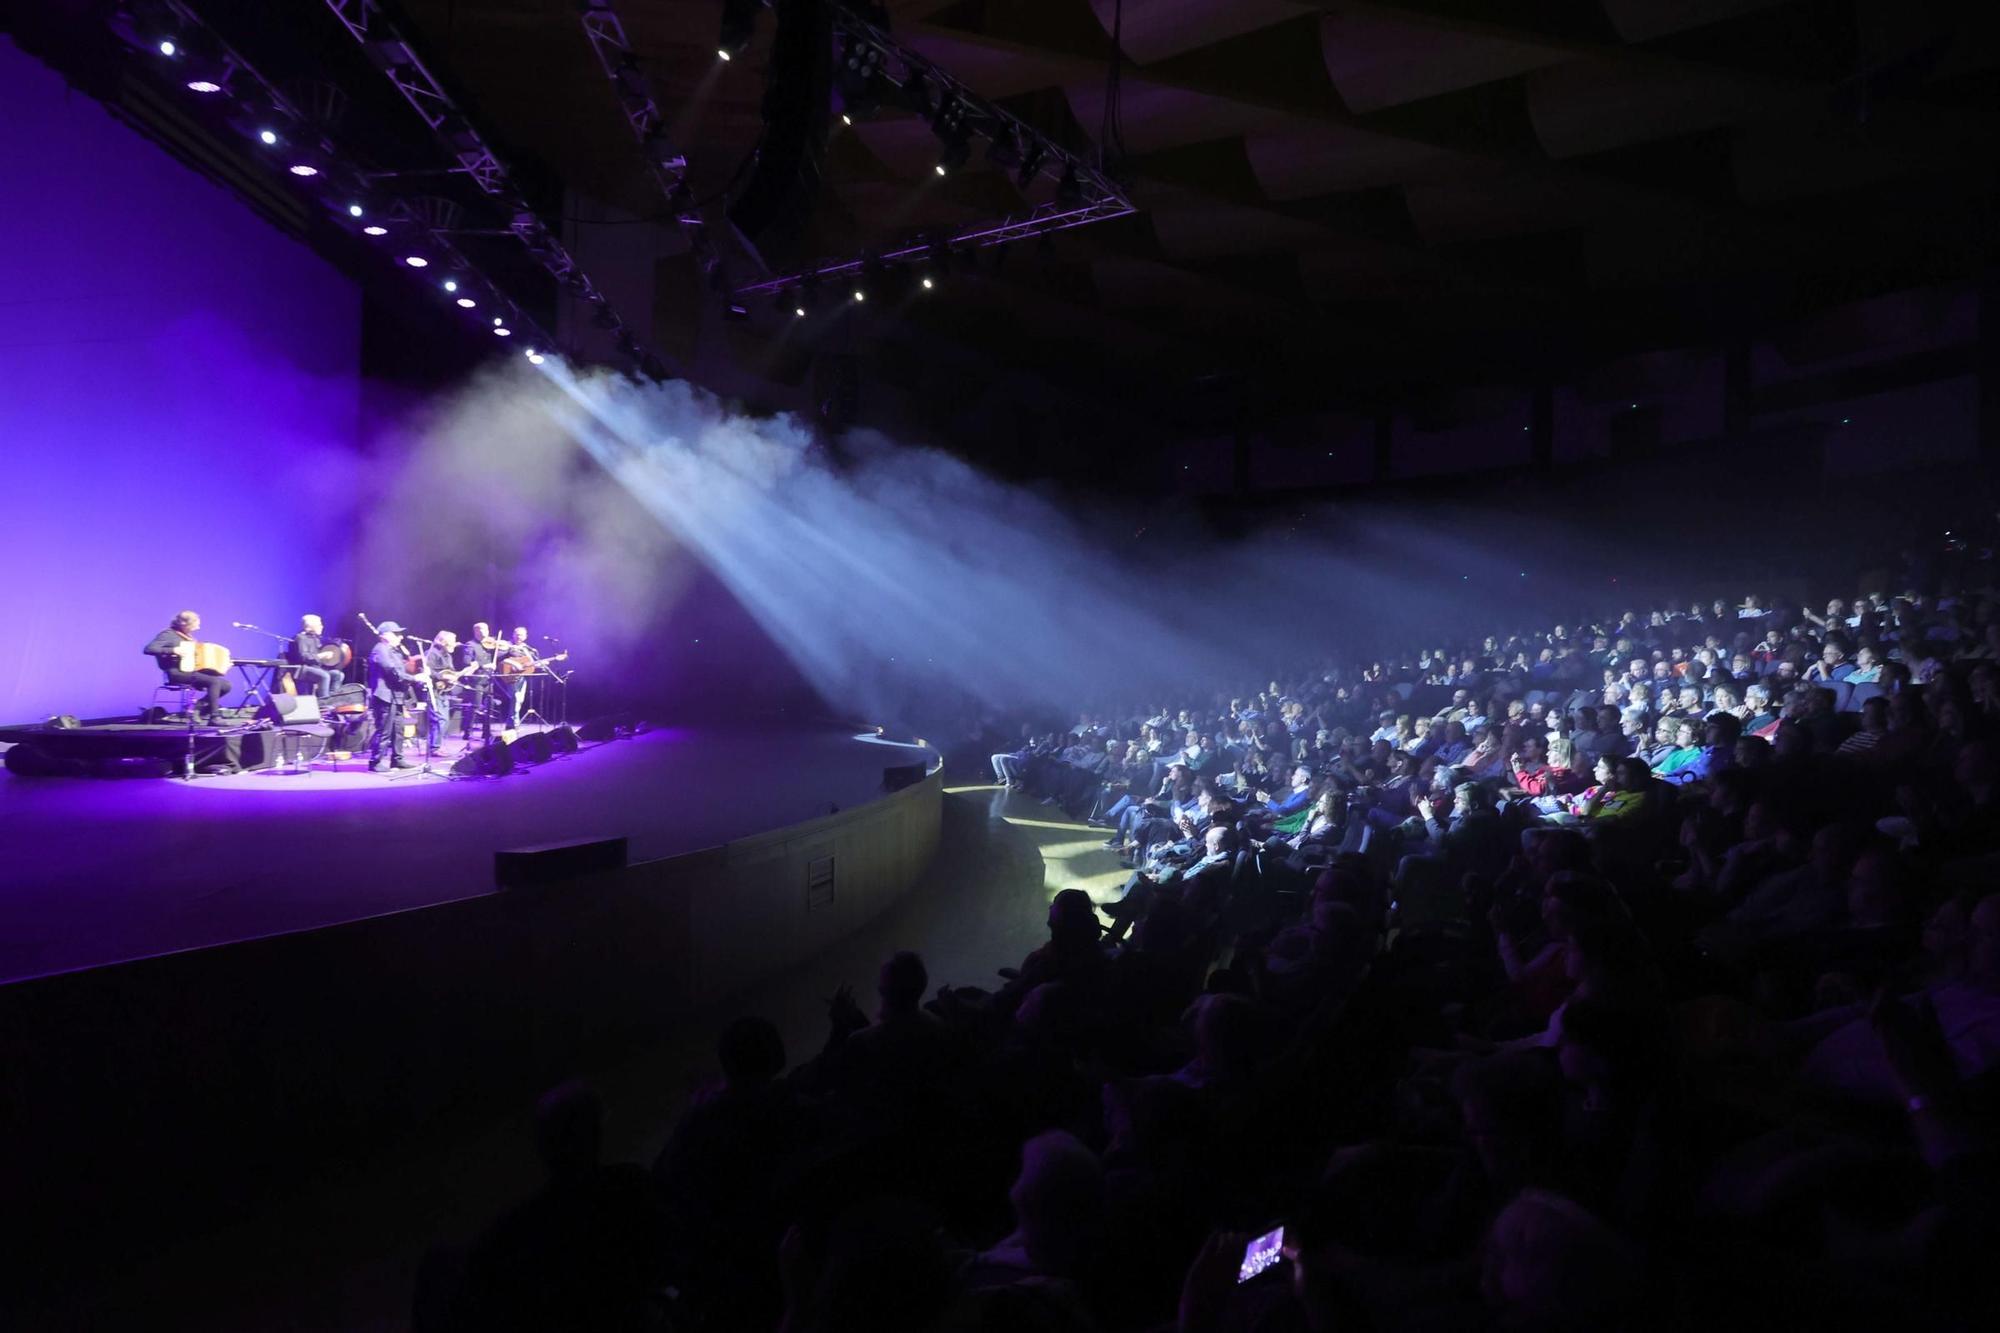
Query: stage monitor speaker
[[899, 776], [598, 729], [488, 761], [551, 863], [290, 709], [564, 740], [534, 748]]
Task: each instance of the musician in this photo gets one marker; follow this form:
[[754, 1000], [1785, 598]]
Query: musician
[[522, 652], [479, 657], [166, 648], [441, 660], [304, 654], [390, 682]]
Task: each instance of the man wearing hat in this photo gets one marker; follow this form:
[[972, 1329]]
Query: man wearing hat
[[389, 679]]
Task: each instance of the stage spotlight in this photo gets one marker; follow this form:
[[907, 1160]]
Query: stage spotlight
[[416, 261], [799, 311], [1069, 190], [928, 284], [374, 231], [269, 138], [503, 332], [846, 119], [735, 310], [497, 321], [1005, 149], [1032, 156], [859, 75], [739, 25], [304, 169], [860, 295], [535, 358], [467, 302], [354, 210], [204, 86], [451, 284], [168, 48]]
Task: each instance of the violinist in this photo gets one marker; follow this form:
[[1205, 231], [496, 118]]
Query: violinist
[[390, 683]]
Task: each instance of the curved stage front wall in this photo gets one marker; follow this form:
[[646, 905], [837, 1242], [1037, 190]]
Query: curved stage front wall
[[192, 1084]]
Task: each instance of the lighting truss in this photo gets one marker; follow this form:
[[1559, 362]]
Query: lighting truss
[[341, 181], [666, 163], [383, 43], [1087, 195]]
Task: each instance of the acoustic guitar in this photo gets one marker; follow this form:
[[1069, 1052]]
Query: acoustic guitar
[[521, 663]]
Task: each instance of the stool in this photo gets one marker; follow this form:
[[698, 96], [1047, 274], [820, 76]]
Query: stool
[[181, 696]]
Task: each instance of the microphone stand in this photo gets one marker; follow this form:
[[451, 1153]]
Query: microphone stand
[[432, 724]]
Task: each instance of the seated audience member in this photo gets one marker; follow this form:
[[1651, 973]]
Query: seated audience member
[[588, 1250]]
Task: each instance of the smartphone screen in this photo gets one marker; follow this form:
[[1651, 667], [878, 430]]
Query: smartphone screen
[[1261, 1254]]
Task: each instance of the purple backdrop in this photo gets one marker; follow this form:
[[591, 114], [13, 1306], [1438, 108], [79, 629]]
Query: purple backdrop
[[177, 407]]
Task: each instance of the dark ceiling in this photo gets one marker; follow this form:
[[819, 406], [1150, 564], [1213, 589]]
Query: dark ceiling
[[1339, 202], [1347, 195]]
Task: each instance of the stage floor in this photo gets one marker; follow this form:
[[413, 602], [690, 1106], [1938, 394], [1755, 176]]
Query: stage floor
[[94, 871]]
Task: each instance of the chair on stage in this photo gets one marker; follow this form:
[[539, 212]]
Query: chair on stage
[[181, 697]]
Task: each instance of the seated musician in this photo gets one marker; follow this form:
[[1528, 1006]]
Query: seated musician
[[171, 648], [390, 684], [304, 653], [441, 660]]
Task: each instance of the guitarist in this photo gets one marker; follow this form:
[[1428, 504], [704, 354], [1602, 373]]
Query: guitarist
[[389, 683], [173, 649], [441, 660], [522, 654]]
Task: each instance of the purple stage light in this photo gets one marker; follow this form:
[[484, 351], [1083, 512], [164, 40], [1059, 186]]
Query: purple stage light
[[502, 332], [302, 169], [416, 261], [375, 231], [204, 86], [467, 302]]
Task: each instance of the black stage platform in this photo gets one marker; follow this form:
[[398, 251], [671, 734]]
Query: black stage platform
[[98, 871]]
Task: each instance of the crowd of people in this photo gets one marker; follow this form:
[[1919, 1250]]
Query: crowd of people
[[1620, 975]]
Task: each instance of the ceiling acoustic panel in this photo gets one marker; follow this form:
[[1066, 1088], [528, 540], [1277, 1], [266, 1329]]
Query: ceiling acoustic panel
[[1591, 106], [1376, 61], [1156, 29], [1301, 161]]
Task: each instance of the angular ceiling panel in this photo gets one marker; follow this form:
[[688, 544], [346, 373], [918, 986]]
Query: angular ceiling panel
[[1376, 61], [1643, 20], [1300, 161], [1156, 117], [1590, 106], [1513, 205], [1155, 29], [1192, 227]]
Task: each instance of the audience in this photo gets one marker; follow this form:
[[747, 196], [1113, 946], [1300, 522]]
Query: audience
[[1712, 1038]]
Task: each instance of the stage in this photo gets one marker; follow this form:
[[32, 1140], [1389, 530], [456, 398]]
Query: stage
[[96, 871]]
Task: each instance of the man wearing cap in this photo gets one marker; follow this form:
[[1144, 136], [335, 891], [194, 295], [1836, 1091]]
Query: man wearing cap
[[389, 679]]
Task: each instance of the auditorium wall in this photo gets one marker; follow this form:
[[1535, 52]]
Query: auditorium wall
[[178, 405]]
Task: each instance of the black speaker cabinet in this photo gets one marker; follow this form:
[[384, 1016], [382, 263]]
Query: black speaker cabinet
[[289, 710]]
